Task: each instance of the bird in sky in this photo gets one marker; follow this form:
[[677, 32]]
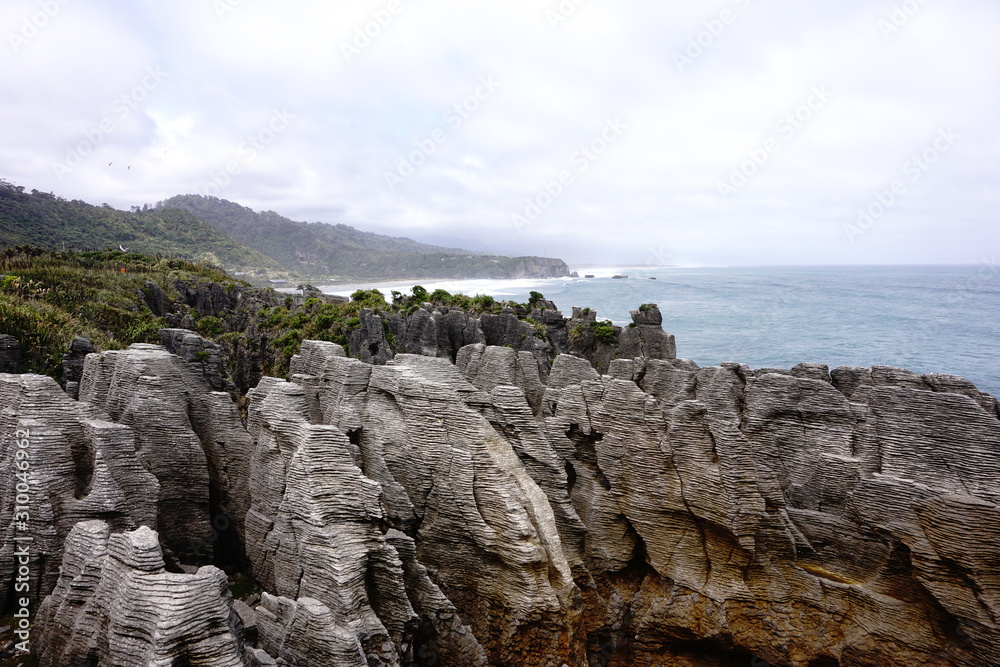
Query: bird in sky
[[122, 248]]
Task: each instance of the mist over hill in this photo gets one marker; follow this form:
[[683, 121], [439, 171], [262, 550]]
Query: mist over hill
[[322, 250], [262, 245]]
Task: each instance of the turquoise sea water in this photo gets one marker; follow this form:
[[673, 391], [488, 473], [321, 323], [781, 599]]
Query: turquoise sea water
[[942, 319]]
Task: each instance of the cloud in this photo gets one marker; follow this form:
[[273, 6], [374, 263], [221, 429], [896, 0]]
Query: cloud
[[703, 87]]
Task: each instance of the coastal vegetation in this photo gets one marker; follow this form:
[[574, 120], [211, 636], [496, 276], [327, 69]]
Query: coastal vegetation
[[47, 299], [116, 298]]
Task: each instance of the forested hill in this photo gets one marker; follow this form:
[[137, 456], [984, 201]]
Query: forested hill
[[262, 245], [322, 250], [47, 221]]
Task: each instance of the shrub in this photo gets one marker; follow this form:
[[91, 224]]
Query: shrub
[[604, 331], [440, 296], [211, 326], [540, 331]]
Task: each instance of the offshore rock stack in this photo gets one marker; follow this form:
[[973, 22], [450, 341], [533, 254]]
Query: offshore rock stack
[[475, 505]]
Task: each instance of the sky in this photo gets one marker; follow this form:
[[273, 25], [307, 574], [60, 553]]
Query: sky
[[638, 133]]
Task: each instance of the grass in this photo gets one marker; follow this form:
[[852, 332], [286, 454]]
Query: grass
[[47, 299]]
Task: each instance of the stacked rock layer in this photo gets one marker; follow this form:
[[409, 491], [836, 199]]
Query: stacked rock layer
[[488, 510]]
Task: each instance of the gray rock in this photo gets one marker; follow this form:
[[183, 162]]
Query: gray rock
[[72, 365], [421, 511], [420, 459], [204, 356], [305, 632], [645, 338], [176, 417], [812, 371], [81, 466], [115, 604], [248, 618], [10, 354]]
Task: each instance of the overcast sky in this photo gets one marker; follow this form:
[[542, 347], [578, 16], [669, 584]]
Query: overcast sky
[[629, 132]]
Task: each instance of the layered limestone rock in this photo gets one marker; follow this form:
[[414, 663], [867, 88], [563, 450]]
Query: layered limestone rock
[[486, 512], [645, 338], [204, 356], [775, 514], [64, 462], [441, 331], [312, 528], [189, 436], [348, 447], [690, 515], [115, 604]]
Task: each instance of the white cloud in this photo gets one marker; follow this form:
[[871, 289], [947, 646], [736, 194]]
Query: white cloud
[[688, 130]]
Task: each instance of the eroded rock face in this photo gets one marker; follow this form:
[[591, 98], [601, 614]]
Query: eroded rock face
[[77, 465], [780, 516], [204, 356], [189, 436], [690, 515], [442, 331], [115, 604], [444, 476], [417, 458], [484, 512]]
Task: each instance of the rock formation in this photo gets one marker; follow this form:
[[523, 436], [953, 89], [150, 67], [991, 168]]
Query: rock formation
[[10, 354], [188, 435], [78, 466], [115, 604], [441, 331], [475, 505], [72, 365]]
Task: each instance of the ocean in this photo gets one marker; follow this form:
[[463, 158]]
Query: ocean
[[929, 319]]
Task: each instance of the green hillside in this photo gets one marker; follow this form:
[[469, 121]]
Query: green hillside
[[47, 299], [47, 221], [320, 250]]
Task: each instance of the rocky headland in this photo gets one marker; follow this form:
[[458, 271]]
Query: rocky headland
[[503, 488]]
